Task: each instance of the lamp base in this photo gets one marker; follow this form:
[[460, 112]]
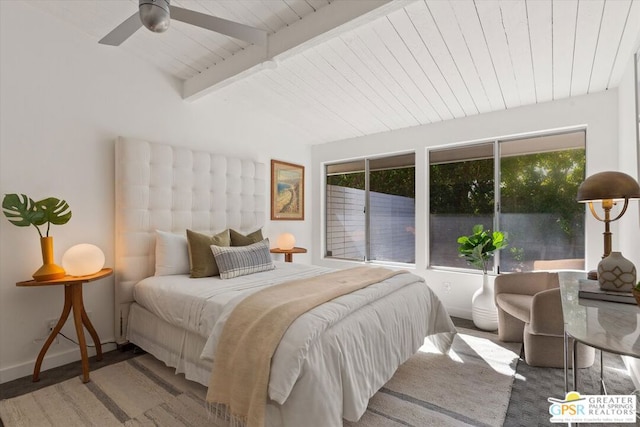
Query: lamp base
[[616, 273]]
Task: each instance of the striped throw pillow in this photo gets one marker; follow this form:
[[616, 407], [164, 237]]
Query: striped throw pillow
[[235, 261]]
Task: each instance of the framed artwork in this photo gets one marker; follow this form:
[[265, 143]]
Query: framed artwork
[[287, 191]]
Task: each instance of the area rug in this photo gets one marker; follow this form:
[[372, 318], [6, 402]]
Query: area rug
[[470, 386]]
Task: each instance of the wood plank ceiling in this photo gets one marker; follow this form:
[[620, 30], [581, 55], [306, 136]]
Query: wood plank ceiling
[[402, 64]]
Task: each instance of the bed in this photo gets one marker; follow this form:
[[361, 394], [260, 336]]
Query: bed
[[317, 378]]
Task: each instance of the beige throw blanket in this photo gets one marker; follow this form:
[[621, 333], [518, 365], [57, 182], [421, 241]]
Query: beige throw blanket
[[242, 362]]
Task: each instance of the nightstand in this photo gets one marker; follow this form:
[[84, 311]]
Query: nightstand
[[72, 300], [288, 253]]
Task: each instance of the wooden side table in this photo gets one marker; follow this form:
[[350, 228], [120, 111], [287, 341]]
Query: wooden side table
[[72, 299], [288, 253]]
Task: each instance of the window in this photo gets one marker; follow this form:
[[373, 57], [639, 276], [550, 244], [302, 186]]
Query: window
[[525, 187], [371, 209]]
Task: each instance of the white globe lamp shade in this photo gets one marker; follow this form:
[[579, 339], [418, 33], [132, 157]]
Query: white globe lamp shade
[[82, 260], [286, 241]]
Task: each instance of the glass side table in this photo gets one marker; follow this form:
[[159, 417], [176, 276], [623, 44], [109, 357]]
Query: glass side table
[[608, 326]]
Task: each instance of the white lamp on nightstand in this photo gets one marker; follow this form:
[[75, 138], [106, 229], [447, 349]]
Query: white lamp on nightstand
[[286, 241], [82, 260]]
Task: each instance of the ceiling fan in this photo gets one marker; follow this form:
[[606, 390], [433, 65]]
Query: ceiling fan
[[156, 14]]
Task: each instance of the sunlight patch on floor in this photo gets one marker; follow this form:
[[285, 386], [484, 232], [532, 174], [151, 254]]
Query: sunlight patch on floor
[[496, 356], [427, 347], [615, 371], [493, 354]]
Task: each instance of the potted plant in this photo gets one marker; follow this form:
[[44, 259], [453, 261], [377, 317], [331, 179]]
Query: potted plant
[[478, 249], [23, 211]]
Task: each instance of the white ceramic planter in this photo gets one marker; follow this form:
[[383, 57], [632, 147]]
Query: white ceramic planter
[[483, 307]]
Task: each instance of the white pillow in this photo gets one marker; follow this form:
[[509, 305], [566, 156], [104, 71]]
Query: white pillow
[[172, 254]]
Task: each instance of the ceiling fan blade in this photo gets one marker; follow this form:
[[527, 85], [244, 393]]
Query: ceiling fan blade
[[219, 25], [122, 31]]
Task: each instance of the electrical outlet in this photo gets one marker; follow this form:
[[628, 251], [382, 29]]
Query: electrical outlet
[[50, 324], [446, 286]]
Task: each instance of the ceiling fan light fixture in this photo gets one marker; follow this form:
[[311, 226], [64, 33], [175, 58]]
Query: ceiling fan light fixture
[[154, 14]]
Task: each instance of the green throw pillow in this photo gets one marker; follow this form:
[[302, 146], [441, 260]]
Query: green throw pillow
[[239, 239], [201, 260]]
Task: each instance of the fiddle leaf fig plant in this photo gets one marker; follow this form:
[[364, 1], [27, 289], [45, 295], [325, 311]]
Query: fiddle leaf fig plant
[[479, 247], [23, 211]]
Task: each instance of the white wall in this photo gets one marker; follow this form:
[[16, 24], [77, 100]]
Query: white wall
[[598, 112], [63, 101], [628, 157]]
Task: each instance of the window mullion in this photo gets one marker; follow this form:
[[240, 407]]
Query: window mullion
[[497, 202], [367, 210]]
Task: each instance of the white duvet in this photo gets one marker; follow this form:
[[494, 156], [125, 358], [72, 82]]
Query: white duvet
[[196, 304], [332, 359]]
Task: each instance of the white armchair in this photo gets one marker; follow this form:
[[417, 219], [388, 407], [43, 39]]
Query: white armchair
[[530, 311]]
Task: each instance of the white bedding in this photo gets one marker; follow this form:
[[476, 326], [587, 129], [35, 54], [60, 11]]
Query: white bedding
[[196, 304], [333, 358]]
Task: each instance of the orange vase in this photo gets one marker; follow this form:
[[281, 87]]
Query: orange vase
[[49, 270]]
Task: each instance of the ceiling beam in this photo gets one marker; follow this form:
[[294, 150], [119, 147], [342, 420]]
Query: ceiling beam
[[325, 23]]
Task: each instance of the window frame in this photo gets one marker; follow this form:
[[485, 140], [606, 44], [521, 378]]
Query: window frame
[[367, 205], [497, 156]]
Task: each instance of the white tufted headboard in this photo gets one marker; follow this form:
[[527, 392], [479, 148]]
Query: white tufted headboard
[[171, 189]]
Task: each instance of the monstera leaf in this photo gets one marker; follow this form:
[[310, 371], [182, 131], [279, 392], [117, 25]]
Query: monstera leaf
[[55, 211], [22, 211]]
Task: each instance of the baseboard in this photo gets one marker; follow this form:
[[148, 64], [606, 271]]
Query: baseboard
[[51, 360], [459, 312], [126, 346]]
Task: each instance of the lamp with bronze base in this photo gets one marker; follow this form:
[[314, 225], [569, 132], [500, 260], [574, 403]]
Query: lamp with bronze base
[[608, 188]]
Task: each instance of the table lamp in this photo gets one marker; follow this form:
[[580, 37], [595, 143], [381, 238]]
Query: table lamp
[[286, 241], [608, 188], [82, 260]]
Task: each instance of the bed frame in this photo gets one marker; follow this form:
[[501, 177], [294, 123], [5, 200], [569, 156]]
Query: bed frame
[[170, 188]]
